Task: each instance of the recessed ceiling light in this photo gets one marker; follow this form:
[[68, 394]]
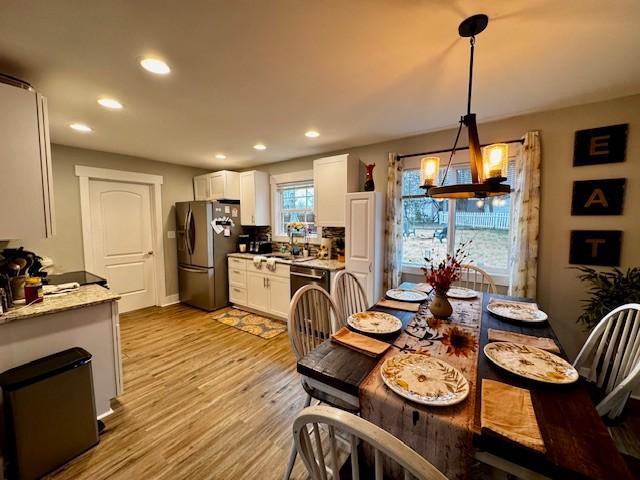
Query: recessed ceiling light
[[312, 134], [81, 127], [260, 146], [221, 156], [110, 103], [155, 65]]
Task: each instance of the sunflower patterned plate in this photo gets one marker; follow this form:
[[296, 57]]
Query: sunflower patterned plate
[[405, 295], [530, 362], [462, 293], [517, 311], [374, 322], [424, 379]]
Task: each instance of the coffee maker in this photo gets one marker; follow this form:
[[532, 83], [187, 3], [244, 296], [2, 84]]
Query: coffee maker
[[244, 242]]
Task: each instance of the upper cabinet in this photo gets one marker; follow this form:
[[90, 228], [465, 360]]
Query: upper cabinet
[[254, 198], [222, 185], [26, 184], [333, 178]]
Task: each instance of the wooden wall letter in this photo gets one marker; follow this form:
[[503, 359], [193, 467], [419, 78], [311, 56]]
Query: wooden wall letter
[[600, 145], [598, 197], [595, 247]]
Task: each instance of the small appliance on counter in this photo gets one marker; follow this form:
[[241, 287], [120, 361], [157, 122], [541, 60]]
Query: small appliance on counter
[[260, 246], [243, 243]]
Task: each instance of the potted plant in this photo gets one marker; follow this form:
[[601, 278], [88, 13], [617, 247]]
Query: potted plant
[[296, 230], [440, 277], [607, 290]]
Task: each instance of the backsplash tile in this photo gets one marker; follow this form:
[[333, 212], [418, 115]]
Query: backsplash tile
[[262, 233]]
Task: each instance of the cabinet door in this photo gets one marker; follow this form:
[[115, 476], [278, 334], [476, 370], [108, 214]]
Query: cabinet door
[[257, 291], [200, 187], [247, 199], [216, 185], [360, 239], [279, 296], [330, 182]]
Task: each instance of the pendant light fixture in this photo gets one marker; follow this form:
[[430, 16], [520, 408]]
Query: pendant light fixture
[[488, 167]]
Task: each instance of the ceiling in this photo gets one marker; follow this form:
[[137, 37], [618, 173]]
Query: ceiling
[[357, 71]]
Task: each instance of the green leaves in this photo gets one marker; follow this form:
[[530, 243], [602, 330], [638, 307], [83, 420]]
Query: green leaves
[[607, 290]]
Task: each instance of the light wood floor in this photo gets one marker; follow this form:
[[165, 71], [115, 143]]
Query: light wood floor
[[202, 401]]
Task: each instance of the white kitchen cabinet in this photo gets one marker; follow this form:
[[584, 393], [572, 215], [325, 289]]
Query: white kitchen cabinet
[[254, 198], [279, 295], [364, 240], [26, 184], [222, 185], [333, 178], [257, 291]]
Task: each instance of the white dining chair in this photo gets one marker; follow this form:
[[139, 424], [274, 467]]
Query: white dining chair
[[476, 279], [358, 431], [311, 321], [610, 358], [348, 295]]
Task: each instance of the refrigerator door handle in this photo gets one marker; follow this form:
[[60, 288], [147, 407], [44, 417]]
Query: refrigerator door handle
[[187, 229], [193, 270]]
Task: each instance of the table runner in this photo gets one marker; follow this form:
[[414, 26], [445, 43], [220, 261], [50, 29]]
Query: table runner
[[442, 435]]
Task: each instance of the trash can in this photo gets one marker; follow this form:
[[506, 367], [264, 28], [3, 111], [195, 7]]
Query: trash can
[[49, 411]]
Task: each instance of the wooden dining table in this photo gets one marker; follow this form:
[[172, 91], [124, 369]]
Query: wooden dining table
[[577, 442]]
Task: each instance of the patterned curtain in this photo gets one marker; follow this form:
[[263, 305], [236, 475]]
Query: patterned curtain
[[393, 224], [523, 261]]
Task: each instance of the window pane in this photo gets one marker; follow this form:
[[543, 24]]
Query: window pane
[[424, 230], [485, 223], [411, 182]]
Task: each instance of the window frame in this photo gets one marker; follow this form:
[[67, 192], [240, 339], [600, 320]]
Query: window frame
[[277, 181], [501, 277]]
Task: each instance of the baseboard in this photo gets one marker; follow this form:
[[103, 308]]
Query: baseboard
[[105, 414], [170, 300]]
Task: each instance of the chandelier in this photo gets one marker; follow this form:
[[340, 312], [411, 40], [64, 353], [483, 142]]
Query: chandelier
[[489, 165]]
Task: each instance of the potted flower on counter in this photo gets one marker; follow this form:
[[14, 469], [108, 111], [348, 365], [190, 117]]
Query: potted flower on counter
[[296, 230]]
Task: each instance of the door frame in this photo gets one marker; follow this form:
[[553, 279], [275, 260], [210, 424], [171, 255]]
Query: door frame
[[85, 175]]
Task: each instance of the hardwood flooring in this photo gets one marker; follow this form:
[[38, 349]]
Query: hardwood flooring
[[202, 400]]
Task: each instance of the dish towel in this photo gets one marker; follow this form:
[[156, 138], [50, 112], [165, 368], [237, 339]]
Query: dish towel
[[397, 305], [539, 342], [257, 260], [361, 343], [271, 264], [508, 412]]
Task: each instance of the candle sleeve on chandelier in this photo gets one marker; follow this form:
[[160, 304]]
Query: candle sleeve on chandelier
[[495, 162], [429, 170]]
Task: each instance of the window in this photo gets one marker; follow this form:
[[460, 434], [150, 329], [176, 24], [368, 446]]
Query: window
[[432, 228], [294, 202]]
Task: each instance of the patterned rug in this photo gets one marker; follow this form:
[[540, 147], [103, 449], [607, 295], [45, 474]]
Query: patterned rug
[[251, 323]]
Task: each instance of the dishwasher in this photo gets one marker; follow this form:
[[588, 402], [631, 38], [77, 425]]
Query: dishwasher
[[301, 276]]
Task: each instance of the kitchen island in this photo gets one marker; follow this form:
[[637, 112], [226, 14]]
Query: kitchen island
[[86, 318]]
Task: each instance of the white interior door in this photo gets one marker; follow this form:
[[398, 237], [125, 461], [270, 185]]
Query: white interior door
[[122, 239], [359, 240]]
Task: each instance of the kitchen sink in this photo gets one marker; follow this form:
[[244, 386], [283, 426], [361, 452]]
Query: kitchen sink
[[289, 257]]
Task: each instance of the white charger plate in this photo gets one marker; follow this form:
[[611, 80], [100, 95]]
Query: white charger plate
[[374, 322], [405, 295], [461, 293], [424, 379], [513, 311]]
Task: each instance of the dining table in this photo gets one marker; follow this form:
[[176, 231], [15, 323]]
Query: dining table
[[576, 441]]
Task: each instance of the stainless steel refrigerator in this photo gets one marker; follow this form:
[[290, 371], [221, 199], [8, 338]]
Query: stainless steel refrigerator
[[206, 232]]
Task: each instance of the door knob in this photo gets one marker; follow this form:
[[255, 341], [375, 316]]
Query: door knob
[[150, 252]]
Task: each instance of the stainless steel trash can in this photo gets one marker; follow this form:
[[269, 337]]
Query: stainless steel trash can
[[49, 412]]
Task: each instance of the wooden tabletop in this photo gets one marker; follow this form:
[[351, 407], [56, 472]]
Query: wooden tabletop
[[578, 444]]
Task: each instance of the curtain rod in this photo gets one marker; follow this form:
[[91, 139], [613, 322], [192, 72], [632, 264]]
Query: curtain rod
[[400, 157]]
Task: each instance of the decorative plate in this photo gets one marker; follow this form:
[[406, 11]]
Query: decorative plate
[[424, 379], [462, 293], [517, 311], [407, 295], [374, 322], [530, 362]]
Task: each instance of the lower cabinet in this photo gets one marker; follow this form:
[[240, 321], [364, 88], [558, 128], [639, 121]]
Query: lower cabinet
[[260, 289]]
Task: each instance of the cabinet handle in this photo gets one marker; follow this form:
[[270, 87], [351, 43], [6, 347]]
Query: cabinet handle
[[253, 220], [268, 283], [236, 271]]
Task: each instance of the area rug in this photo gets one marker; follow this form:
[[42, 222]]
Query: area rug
[[251, 323]]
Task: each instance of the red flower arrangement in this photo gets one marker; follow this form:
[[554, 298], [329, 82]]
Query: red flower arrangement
[[441, 277]]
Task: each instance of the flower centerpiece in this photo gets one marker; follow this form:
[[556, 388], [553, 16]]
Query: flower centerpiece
[[441, 277], [296, 230]]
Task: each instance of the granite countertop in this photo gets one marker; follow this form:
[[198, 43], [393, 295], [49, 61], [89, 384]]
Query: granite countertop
[[84, 296], [313, 263]]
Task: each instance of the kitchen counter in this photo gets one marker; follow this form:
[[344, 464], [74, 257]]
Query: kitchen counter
[[331, 265], [84, 296]]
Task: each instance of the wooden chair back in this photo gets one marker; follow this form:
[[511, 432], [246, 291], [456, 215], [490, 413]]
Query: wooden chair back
[[610, 357], [311, 320], [476, 279], [356, 430], [349, 296]]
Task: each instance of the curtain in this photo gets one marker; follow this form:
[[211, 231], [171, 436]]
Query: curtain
[[523, 260], [393, 224]]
